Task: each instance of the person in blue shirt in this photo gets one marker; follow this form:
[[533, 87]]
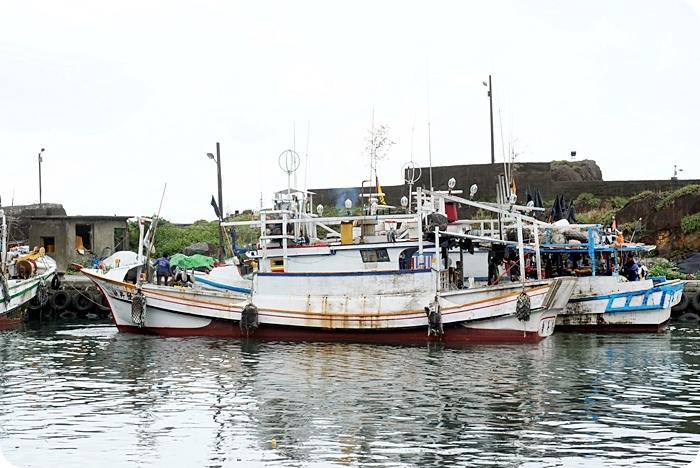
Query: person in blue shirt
[[162, 266], [631, 270]]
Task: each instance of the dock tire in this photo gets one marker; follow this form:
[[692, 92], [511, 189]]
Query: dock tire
[[55, 282], [682, 305], [82, 301], [60, 300], [689, 317], [101, 303], [35, 303], [696, 302]]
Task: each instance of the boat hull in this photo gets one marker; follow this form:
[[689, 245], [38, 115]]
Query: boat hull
[[13, 311], [384, 307], [602, 304]]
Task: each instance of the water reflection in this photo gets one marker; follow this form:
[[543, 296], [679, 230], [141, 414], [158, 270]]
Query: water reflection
[[72, 393]]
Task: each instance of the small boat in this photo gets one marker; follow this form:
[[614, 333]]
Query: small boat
[[382, 278], [25, 275], [604, 299]]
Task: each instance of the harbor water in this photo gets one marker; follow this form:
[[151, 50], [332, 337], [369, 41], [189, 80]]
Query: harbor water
[[80, 394]]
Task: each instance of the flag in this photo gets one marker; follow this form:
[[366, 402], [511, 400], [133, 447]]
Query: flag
[[614, 225], [571, 213], [539, 203], [379, 190], [638, 226], [216, 207]]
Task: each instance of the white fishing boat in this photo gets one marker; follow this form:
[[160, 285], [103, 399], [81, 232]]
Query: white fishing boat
[[385, 284], [604, 299], [24, 275]]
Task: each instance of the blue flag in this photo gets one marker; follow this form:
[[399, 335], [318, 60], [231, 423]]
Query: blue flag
[[216, 207]]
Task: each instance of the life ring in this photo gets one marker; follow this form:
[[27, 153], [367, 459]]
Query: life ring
[[60, 300], [55, 282], [696, 302], [82, 301], [682, 305]]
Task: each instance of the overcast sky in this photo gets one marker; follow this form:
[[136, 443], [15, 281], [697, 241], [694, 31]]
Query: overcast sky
[[129, 96]]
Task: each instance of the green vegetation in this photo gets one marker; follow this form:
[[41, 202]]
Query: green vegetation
[[666, 269], [171, 239], [668, 199], [690, 223], [587, 199], [618, 202], [639, 196]]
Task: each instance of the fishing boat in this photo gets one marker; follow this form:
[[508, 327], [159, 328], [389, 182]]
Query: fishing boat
[[604, 299], [25, 275], [379, 278]]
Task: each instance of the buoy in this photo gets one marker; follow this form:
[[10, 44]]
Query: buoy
[[274, 443]]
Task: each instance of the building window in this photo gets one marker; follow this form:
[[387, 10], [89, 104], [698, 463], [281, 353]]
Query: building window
[[120, 239], [49, 244], [83, 236], [374, 255]]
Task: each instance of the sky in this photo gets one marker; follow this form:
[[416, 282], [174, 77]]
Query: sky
[[127, 98]]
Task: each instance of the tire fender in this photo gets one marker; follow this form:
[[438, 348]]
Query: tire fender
[[60, 300], [82, 301], [682, 304], [696, 302]]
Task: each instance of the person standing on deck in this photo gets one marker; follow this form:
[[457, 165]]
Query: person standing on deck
[[162, 266], [631, 270]]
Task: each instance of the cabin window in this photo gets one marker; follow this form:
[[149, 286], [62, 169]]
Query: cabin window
[[49, 244], [374, 255], [84, 232], [120, 239]]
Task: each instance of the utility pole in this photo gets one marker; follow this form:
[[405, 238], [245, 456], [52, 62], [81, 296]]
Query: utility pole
[[42, 150], [493, 157]]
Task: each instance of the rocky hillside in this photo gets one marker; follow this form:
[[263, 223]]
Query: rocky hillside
[[575, 171], [670, 220]]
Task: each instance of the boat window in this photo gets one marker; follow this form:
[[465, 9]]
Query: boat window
[[374, 255]]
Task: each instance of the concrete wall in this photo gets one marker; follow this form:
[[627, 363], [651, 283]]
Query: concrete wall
[[534, 175]]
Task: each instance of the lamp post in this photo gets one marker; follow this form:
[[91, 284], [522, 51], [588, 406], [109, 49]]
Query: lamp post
[[42, 150], [493, 158], [221, 202]]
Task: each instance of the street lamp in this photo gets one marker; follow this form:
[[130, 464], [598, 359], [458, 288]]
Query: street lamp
[[493, 158], [42, 150], [217, 159]]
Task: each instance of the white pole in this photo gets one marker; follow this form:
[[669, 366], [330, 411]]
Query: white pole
[[419, 211], [538, 254], [521, 252]]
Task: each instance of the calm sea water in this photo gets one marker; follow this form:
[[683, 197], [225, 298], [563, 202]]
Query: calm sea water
[[81, 394]]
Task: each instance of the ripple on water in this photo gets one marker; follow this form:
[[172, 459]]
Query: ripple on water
[[83, 392]]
